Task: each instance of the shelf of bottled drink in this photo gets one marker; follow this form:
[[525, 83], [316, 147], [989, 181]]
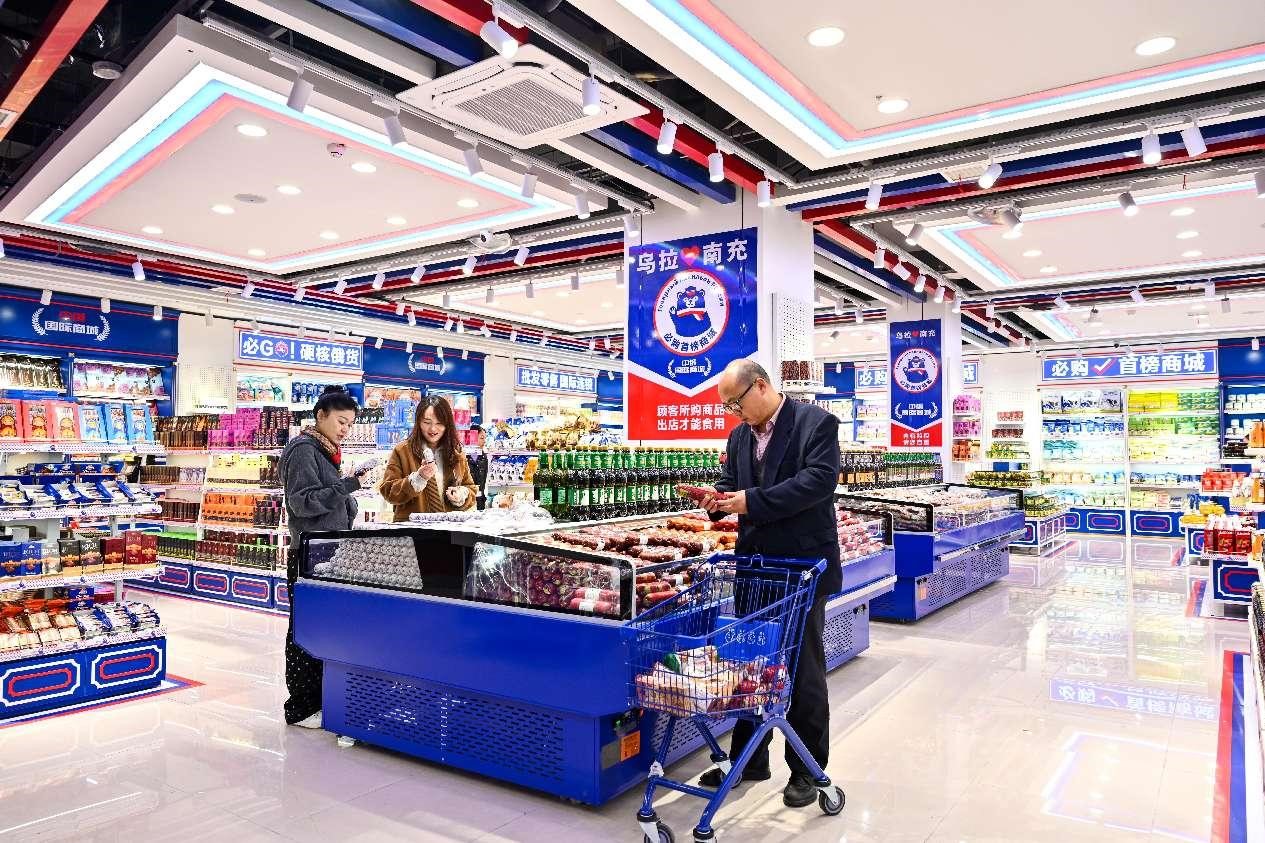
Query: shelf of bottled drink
[[594, 482]]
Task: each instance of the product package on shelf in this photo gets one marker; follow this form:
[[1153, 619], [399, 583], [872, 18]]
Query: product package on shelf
[[92, 423], [1082, 402], [965, 404], [20, 371], [117, 380]]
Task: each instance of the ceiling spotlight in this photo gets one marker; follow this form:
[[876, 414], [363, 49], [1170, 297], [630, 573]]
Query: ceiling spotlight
[[858, 317], [592, 97], [448, 323], [873, 195], [606, 343], [1010, 218], [465, 354], [340, 287], [412, 318], [990, 310], [892, 105], [399, 308], [248, 289], [632, 226], [610, 376], [520, 257], [1225, 305], [920, 283], [377, 343], [495, 36], [1136, 295], [1193, 140], [1, 247], [1061, 303], [989, 177], [300, 92], [619, 277], [529, 184], [1127, 204], [1256, 344], [210, 319], [957, 301], [1259, 178], [902, 271], [46, 297], [417, 273], [593, 344], [513, 334], [447, 300], [439, 352], [329, 334], [530, 290], [486, 331], [408, 347], [1210, 289], [105, 305], [582, 205], [467, 268], [138, 270], [939, 297], [158, 313], [914, 234], [763, 193], [1151, 153], [575, 281], [716, 166], [474, 165], [379, 279], [395, 131], [254, 326], [543, 338], [1095, 318], [461, 326], [300, 293], [490, 296], [667, 138]]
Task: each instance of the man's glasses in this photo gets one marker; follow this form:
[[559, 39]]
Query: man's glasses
[[734, 407]]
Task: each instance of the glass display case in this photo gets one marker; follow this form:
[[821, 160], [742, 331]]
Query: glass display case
[[937, 508]]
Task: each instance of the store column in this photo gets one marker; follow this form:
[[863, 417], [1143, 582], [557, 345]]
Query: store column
[[924, 375], [706, 287]]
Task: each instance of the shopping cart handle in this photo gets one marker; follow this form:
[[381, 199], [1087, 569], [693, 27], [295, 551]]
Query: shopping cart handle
[[759, 561]]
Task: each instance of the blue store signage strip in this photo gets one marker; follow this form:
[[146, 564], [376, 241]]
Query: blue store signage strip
[[871, 377], [76, 323], [293, 352], [395, 364], [553, 380], [916, 386], [1198, 363]]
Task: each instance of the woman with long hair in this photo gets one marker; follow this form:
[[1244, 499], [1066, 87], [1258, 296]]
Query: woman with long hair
[[428, 471], [317, 497]]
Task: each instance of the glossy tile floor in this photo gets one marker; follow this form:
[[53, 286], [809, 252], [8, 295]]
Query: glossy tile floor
[[1075, 701]]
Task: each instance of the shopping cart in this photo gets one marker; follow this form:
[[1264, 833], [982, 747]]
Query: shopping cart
[[725, 647]]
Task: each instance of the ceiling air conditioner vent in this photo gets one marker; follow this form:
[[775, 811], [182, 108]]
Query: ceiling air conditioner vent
[[525, 101]]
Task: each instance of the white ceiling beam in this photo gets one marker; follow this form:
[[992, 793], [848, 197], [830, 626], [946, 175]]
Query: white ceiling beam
[[854, 280], [603, 158]]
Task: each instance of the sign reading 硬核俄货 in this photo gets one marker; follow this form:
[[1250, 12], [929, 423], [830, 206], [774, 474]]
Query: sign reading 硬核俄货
[[554, 380], [1141, 366], [296, 352], [691, 310], [915, 385]]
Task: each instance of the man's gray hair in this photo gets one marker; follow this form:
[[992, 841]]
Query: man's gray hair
[[748, 370]]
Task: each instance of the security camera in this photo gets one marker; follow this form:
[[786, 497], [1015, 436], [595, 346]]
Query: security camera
[[336, 149], [484, 239]]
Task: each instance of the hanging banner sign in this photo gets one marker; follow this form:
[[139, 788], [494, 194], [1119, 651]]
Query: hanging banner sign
[[553, 380], [691, 310], [394, 363], [76, 323], [970, 373], [871, 377], [916, 387], [293, 352], [1143, 366]]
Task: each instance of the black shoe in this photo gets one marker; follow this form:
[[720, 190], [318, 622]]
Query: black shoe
[[800, 791], [713, 778]]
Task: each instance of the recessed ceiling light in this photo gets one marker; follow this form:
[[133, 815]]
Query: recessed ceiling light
[[222, 209], [1155, 46], [256, 253], [1032, 253], [152, 229], [288, 190], [1049, 270], [537, 313], [396, 220], [1187, 235], [467, 203], [329, 235], [562, 294], [1013, 234], [1192, 253], [892, 105], [250, 130], [608, 304], [364, 167], [826, 36], [1183, 211]]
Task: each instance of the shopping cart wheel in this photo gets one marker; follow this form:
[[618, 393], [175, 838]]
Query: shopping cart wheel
[[665, 834], [831, 805]]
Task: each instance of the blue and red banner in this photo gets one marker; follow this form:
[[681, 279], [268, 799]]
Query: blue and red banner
[[915, 384], [691, 310]]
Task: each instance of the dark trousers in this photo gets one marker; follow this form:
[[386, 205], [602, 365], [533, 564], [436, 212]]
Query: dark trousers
[[303, 673], [809, 714]]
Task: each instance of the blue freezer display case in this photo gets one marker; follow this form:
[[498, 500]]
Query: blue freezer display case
[[502, 655], [950, 541]]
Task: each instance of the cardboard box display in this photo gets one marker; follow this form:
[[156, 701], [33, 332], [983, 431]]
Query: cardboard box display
[[113, 552]]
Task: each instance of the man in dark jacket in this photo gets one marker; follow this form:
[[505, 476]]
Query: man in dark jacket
[[781, 469]]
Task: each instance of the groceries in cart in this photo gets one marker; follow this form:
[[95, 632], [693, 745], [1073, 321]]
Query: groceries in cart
[[700, 681]]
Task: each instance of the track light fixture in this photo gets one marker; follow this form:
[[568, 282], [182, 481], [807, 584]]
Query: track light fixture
[[158, 313], [914, 234], [859, 317], [417, 273], [582, 205], [544, 338], [620, 276], [991, 174], [329, 333], [632, 226], [495, 36], [530, 290], [1061, 303], [210, 319], [1225, 305], [880, 258], [46, 297], [513, 334], [957, 302], [873, 196], [606, 343], [990, 310], [105, 305], [902, 272], [520, 257], [592, 97], [248, 289], [377, 343], [465, 354], [467, 268], [1127, 204], [490, 296], [408, 346], [448, 323], [138, 270], [838, 308], [939, 297], [1256, 344], [1259, 179], [1, 247], [461, 325], [474, 164], [1095, 318], [1210, 289], [667, 138], [486, 330], [529, 184], [412, 318], [340, 287], [1137, 296], [716, 166], [302, 330], [763, 193], [592, 345], [1193, 140], [920, 283], [1151, 153], [447, 300], [399, 308], [379, 279], [439, 352], [394, 130], [300, 92], [575, 281], [300, 293], [1009, 217]]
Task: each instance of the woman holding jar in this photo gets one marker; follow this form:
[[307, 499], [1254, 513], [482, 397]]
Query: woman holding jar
[[428, 471]]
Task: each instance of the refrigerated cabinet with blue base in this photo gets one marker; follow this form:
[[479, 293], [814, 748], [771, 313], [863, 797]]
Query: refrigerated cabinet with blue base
[[459, 675]]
